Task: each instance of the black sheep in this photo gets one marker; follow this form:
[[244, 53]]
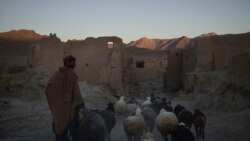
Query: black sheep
[[92, 126], [199, 122], [178, 109], [166, 106], [110, 107], [153, 98], [183, 134], [156, 105], [109, 117], [186, 117]]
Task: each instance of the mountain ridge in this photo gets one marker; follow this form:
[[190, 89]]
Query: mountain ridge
[[159, 44], [21, 35], [25, 35]]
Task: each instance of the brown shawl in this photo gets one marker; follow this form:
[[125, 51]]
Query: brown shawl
[[63, 95]]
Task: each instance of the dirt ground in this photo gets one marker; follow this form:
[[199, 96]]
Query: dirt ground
[[29, 119]]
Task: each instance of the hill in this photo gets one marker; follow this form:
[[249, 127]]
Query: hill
[[159, 44], [165, 44], [20, 35]]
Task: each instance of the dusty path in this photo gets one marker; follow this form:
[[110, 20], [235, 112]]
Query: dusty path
[[23, 119]]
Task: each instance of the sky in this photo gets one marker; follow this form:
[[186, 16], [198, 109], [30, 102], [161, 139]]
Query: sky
[[127, 19]]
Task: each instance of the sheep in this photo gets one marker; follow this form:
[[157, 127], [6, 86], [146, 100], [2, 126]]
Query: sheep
[[152, 97], [156, 106], [186, 117], [164, 104], [166, 123], [131, 106], [183, 133], [169, 103], [148, 137], [120, 105], [146, 102], [109, 117], [149, 116], [134, 126], [178, 109], [158, 99], [131, 100], [110, 107], [199, 121], [92, 126]]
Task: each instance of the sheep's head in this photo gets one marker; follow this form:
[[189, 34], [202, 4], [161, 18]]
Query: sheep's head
[[148, 98], [163, 111], [122, 98]]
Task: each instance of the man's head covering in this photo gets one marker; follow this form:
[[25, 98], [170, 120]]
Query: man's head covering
[[68, 59]]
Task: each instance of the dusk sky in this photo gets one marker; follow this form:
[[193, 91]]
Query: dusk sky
[[127, 19]]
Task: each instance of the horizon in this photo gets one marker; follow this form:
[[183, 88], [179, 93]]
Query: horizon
[[128, 20]]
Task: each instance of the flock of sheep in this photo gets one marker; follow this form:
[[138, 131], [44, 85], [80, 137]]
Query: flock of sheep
[[141, 118]]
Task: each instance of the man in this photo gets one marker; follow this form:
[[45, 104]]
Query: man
[[64, 99]]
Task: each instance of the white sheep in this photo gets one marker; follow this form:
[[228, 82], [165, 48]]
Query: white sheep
[[166, 123], [148, 137], [146, 102], [134, 126], [120, 105]]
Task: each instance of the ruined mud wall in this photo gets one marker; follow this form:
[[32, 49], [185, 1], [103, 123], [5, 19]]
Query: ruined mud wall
[[174, 69], [205, 55], [93, 56], [14, 55], [48, 53], [116, 69], [239, 70], [213, 53], [146, 67]]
